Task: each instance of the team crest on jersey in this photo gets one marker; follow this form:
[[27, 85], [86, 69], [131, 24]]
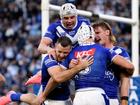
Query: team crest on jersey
[[85, 71], [78, 54], [71, 33], [109, 75]]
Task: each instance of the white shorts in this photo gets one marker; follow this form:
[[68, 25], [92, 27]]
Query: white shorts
[[114, 102], [54, 102], [91, 96]]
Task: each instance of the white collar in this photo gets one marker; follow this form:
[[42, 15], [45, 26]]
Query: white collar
[[85, 44]]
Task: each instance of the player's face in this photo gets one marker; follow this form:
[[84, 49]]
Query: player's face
[[101, 35], [69, 21], [62, 52]]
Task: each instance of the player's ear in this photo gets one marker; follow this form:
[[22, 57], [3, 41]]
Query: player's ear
[[108, 32]]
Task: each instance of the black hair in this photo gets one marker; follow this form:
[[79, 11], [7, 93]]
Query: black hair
[[64, 41]]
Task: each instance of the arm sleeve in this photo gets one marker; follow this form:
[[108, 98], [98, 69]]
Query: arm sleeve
[[50, 62], [51, 32]]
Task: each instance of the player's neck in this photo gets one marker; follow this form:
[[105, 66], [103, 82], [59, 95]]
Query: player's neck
[[108, 45]]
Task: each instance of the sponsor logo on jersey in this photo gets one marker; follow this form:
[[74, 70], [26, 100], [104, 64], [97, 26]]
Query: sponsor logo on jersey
[[84, 53]]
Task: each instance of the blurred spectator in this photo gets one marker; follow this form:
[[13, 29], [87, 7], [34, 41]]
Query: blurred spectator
[[95, 7]]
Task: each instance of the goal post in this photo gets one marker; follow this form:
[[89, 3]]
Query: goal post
[[135, 36]]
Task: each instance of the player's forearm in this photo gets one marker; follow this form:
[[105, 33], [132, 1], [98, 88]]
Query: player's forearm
[[67, 74], [43, 49], [49, 87], [59, 78], [44, 45], [125, 85], [124, 92]]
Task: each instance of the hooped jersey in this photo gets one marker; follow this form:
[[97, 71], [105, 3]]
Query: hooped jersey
[[92, 76], [112, 75], [61, 92], [56, 30]]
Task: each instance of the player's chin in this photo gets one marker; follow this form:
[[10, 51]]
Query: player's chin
[[97, 40], [61, 59], [69, 26]]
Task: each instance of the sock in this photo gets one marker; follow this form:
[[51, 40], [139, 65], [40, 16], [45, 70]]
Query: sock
[[15, 96]]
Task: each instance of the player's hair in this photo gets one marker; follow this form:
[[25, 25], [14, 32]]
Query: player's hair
[[68, 9], [64, 41], [105, 26]]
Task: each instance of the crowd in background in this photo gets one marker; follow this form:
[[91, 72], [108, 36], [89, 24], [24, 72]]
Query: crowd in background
[[20, 33]]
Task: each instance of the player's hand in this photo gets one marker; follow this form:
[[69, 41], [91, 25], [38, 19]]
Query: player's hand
[[51, 51], [84, 62], [73, 63], [124, 102]]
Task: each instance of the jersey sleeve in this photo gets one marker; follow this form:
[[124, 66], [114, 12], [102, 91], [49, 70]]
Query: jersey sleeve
[[85, 20], [50, 62], [51, 32], [110, 54], [122, 52]]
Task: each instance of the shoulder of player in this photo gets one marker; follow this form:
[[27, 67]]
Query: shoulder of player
[[83, 19], [119, 49], [55, 24], [99, 46], [49, 58]]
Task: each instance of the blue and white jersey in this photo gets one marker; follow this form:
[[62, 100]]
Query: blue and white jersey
[[61, 92], [112, 75], [92, 76], [56, 30]]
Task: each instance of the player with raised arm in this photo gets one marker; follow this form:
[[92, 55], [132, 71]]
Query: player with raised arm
[[66, 26], [114, 76]]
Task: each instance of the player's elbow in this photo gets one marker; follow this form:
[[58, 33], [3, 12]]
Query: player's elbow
[[130, 69], [58, 79], [41, 50]]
